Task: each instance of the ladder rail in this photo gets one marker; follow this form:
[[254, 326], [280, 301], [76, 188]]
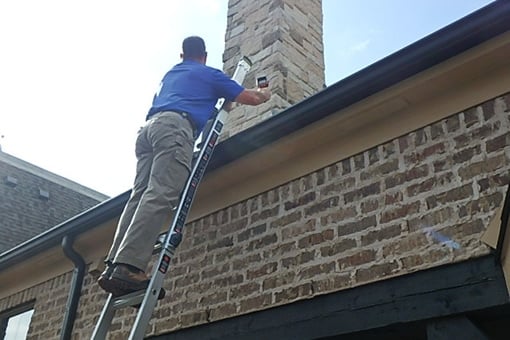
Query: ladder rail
[[105, 320]]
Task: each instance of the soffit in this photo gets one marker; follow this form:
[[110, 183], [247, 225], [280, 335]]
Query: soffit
[[93, 245]]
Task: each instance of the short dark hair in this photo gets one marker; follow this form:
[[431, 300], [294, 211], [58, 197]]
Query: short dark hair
[[193, 47]]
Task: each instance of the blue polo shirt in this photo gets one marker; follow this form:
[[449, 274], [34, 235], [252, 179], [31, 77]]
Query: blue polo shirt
[[194, 88]]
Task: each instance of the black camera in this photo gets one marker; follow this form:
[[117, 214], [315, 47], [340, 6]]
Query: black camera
[[262, 82]]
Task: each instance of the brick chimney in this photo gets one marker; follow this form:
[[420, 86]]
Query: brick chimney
[[283, 39]]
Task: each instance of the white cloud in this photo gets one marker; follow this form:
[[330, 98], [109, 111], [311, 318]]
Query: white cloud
[[360, 46]]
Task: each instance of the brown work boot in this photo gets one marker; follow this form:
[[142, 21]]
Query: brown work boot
[[128, 278], [105, 283]]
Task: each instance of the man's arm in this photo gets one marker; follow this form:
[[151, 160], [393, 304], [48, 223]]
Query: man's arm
[[253, 96]]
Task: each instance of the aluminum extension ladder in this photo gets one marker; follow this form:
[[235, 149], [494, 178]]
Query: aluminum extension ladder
[[147, 299]]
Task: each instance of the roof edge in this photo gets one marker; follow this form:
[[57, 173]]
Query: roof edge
[[51, 176], [76, 225]]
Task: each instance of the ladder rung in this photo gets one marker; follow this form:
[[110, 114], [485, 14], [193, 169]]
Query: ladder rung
[[127, 300], [159, 243]]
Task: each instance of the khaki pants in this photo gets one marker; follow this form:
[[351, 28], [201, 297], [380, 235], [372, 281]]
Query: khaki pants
[[164, 150]]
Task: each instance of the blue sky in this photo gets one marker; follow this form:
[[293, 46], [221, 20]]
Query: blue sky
[[359, 33], [77, 77]]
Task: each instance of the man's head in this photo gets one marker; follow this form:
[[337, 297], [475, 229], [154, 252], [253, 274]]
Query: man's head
[[193, 48]]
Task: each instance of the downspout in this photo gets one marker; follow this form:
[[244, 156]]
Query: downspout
[[76, 284]]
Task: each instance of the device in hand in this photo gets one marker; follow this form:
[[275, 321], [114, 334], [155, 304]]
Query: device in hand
[[262, 82]]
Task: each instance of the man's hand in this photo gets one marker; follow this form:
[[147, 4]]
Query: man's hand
[[265, 92], [254, 96]]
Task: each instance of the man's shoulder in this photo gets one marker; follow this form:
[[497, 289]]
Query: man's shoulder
[[194, 66], [203, 72], [214, 74], [212, 69]]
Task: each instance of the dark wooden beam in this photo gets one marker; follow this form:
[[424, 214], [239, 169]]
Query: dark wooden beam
[[458, 327], [3, 327], [439, 292]]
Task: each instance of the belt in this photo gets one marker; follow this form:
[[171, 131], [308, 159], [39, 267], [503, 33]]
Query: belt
[[185, 115]]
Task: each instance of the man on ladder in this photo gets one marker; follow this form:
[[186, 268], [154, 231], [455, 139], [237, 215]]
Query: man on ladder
[[164, 150]]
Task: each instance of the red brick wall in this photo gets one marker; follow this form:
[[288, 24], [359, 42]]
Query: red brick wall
[[49, 302], [418, 201]]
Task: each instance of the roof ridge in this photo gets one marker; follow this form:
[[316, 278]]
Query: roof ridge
[[50, 176]]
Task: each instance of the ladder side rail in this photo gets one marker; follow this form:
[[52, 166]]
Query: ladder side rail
[[105, 320]]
